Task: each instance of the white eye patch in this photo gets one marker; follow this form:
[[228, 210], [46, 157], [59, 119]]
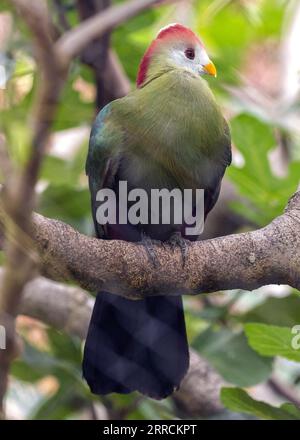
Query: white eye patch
[[181, 56]]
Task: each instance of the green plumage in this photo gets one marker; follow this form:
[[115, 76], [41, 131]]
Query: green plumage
[[169, 134]]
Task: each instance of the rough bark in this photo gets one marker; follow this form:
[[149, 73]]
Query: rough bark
[[246, 261]]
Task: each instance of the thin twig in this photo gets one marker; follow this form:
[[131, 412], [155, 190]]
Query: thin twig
[[73, 42], [6, 166], [249, 260]]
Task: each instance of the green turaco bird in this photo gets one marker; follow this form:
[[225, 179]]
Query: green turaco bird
[[167, 133]]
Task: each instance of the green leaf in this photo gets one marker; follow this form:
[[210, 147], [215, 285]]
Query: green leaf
[[21, 371], [67, 203], [65, 347], [72, 111], [228, 45], [150, 409], [232, 357], [267, 194], [40, 364], [59, 406], [237, 400], [5, 6], [276, 311], [58, 171], [271, 340]]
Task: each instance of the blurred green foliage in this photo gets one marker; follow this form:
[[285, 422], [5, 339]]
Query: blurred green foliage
[[238, 400], [266, 193], [231, 356], [238, 345]]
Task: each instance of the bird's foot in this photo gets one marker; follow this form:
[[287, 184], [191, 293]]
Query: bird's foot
[[177, 240], [148, 243]]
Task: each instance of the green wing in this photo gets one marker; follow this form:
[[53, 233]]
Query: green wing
[[227, 144], [103, 158]]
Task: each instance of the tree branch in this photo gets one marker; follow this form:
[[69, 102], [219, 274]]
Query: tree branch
[[110, 78], [95, 54], [270, 255], [245, 261]]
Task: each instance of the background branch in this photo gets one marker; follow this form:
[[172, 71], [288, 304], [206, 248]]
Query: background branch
[[74, 41]]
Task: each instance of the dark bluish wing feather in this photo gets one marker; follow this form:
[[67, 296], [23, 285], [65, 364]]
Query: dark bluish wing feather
[[211, 194], [102, 161]]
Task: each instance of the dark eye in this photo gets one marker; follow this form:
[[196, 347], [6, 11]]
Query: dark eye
[[190, 53]]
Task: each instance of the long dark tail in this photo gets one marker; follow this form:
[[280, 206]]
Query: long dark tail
[[136, 346]]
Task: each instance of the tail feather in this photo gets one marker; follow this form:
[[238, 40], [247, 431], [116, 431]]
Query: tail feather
[[136, 346]]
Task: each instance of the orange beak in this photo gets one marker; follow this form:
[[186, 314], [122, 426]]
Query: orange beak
[[210, 69]]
